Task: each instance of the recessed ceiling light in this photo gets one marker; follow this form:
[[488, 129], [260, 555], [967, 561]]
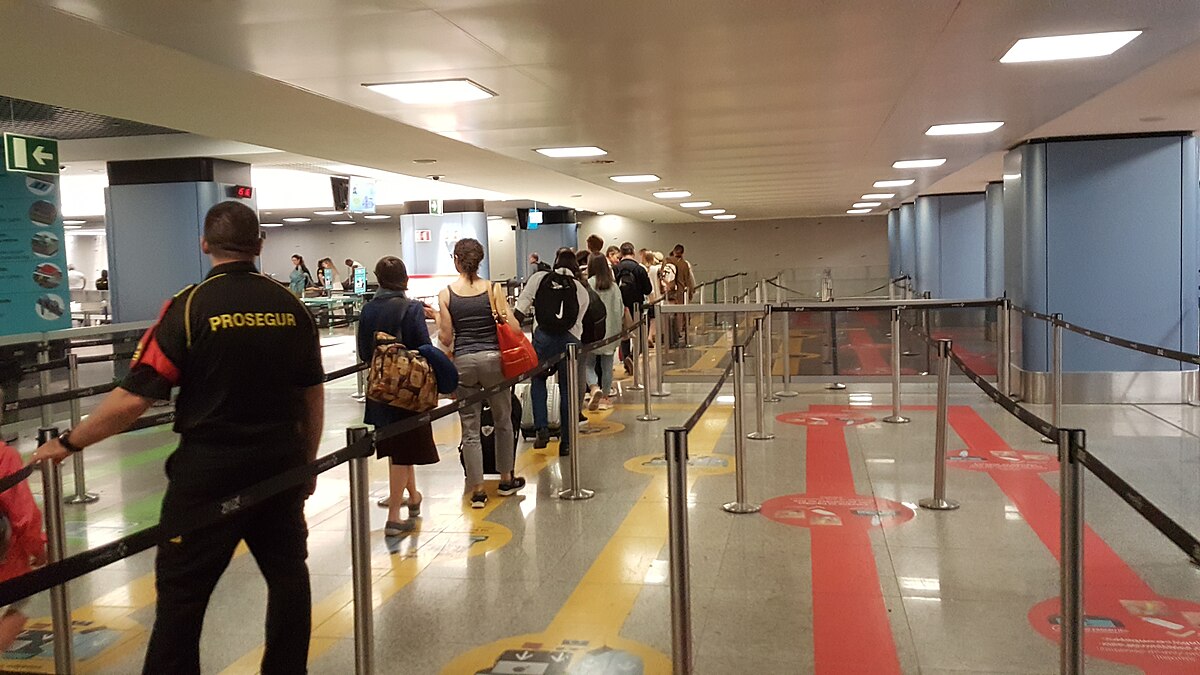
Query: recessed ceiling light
[[711, 212], [1063, 47], [425, 161], [432, 92], [270, 224], [727, 216], [963, 128], [343, 222], [72, 227], [327, 213], [695, 205], [856, 211], [879, 195], [918, 163], [377, 216], [901, 182], [636, 178], [1011, 176], [672, 194], [581, 151], [866, 205], [600, 213], [296, 220], [495, 217], [74, 222]]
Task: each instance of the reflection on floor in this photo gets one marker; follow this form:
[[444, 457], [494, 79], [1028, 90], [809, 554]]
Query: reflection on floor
[[840, 573]]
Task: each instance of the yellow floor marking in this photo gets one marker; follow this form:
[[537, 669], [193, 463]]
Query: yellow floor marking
[[598, 608]]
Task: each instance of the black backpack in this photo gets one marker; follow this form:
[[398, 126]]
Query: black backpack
[[555, 305], [595, 318], [626, 280]]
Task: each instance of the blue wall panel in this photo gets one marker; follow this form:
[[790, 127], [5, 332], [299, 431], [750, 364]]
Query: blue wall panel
[[894, 264], [908, 240], [962, 248], [993, 276], [928, 247]]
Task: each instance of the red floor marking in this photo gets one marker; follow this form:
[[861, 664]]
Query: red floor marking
[[842, 418], [870, 360], [1130, 622], [851, 631]]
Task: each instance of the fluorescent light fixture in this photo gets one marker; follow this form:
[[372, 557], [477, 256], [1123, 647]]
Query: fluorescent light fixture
[[600, 213], [377, 216], [963, 128], [270, 224], [296, 220], [918, 163], [900, 182], [672, 194], [327, 213], [72, 227], [727, 216], [581, 151], [636, 178], [1063, 47], [432, 92], [866, 205], [1011, 176], [343, 222], [879, 195], [856, 211], [695, 205], [726, 399], [711, 212], [74, 222], [495, 217]]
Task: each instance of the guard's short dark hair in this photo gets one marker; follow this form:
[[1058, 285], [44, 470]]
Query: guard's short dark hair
[[391, 273], [627, 248], [231, 230]]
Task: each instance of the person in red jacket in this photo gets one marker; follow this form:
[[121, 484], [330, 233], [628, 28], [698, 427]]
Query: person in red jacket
[[25, 547]]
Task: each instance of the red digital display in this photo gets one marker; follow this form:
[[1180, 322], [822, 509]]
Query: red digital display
[[243, 191]]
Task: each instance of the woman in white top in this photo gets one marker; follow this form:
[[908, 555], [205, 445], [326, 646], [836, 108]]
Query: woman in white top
[[600, 277]]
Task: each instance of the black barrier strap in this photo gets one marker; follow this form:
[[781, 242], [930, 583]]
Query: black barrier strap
[[708, 400], [1173, 354], [782, 287], [902, 305], [13, 479], [1027, 418], [152, 421], [1145, 508], [48, 399], [343, 372], [102, 358]]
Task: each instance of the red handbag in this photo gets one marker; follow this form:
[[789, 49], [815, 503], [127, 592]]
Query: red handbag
[[517, 356]]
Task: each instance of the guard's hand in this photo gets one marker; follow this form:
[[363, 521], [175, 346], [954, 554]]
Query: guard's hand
[[51, 450]]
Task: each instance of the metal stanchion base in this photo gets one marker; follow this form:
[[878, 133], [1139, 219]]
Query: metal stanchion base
[[648, 418], [908, 353], [660, 394], [938, 504], [85, 498], [787, 393], [576, 495], [668, 362], [358, 398], [836, 386], [634, 387], [756, 436], [741, 507], [896, 419]]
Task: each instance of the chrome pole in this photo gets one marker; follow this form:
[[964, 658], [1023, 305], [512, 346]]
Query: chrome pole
[[43, 357], [927, 326], [833, 353], [681, 592], [739, 505], [635, 354], [939, 501], [56, 550], [1056, 333], [1004, 349], [659, 350], [81, 496], [767, 362], [760, 386], [571, 426], [360, 557], [644, 339], [896, 417], [786, 392], [360, 393], [1071, 529]]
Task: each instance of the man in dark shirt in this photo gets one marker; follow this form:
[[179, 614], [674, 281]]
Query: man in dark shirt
[[246, 358], [634, 284]]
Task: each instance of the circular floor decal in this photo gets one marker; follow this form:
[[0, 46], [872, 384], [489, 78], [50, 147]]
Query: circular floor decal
[[842, 419], [1002, 460], [835, 511], [704, 465], [1158, 635], [596, 427]]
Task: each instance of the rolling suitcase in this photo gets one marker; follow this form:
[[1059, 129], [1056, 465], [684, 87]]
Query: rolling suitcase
[[552, 409], [487, 435]]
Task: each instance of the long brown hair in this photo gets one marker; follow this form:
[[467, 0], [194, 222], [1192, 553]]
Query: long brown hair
[[468, 253], [599, 269]]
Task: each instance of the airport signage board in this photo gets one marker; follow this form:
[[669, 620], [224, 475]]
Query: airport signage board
[[34, 290], [30, 154]]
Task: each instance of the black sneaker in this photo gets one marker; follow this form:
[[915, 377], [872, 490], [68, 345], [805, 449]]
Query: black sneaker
[[628, 363], [479, 500], [511, 487], [564, 451], [542, 439]]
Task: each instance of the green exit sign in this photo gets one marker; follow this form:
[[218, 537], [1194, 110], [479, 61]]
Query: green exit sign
[[30, 154]]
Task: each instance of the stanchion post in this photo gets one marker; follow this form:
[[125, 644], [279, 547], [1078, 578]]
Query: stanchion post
[[1004, 348], [739, 505], [926, 325], [570, 426], [634, 352], [767, 361], [1056, 348], [43, 357], [1071, 529], [360, 394], [833, 356], [786, 391], [56, 549], [681, 591], [896, 417], [644, 339], [659, 349], [939, 501], [760, 386], [360, 557], [81, 496]]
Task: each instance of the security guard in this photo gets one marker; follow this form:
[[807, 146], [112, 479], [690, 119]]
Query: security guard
[[246, 358]]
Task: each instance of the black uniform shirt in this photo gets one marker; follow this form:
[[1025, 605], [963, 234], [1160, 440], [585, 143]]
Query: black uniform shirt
[[241, 348]]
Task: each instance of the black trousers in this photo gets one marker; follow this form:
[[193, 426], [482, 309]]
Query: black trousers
[[187, 570]]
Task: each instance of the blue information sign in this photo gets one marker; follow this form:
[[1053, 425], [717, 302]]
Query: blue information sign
[[360, 280], [34, 293]]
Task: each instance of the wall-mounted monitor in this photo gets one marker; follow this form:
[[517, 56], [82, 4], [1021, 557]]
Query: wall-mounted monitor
[[362, 195], [341, 192], [527, 219]]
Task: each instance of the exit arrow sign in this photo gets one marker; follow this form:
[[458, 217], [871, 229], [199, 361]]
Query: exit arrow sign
[[30, 154]]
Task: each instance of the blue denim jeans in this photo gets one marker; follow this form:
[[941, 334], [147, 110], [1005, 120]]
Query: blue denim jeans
[[547, 347], [599, 371]]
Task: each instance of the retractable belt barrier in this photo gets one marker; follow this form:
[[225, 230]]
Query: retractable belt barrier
[[708, 400], [1152, 350], [91, 560], [889, 304]]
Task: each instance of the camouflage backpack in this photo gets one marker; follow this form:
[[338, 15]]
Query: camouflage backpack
[[400, 377]]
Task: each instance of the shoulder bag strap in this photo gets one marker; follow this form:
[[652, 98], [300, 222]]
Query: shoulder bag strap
[[497, 314]]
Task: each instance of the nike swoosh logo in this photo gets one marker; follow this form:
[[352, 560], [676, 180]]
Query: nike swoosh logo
[[562, 306]]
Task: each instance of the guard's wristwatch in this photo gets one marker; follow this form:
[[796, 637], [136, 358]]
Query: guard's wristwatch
[[64, 439]]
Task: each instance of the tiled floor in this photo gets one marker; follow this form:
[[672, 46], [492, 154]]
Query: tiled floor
[[818, 583]]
